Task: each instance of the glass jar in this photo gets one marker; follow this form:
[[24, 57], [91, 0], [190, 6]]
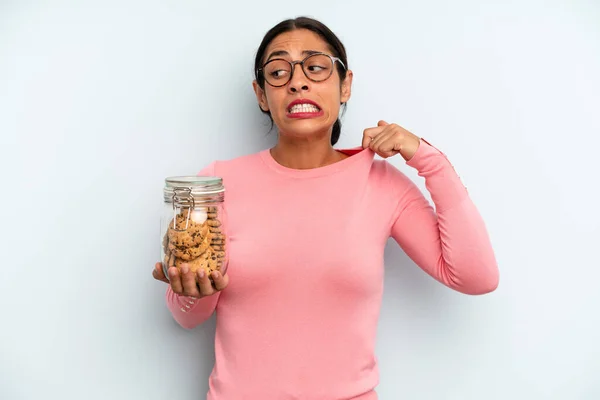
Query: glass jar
[[193, 223]]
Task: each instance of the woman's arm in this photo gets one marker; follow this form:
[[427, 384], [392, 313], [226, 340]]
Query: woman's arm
[[451, 243]]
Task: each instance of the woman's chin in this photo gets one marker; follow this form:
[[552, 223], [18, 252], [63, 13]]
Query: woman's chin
[[305, 132]]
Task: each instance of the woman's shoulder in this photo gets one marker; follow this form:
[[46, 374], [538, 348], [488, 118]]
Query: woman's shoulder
[[227, 166], [389, 178], [385, 168]]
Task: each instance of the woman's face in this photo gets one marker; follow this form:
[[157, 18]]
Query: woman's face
[[303, 121]]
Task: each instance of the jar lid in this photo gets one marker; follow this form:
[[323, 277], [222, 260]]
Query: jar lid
[[194, 185]]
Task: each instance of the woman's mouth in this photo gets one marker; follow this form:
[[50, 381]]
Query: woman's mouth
[[304, 110]]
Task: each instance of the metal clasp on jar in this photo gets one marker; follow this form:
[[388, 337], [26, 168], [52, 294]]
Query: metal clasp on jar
[[182, 199]]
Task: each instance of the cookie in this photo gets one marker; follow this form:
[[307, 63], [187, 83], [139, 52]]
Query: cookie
[[218, 237], [165, 243], [197, 263], [212, 263], [169, 260], [181, 221], [214, 223], [193, 236], [189, 253]]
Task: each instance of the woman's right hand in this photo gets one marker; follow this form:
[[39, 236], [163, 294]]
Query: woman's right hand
[[184, 283]]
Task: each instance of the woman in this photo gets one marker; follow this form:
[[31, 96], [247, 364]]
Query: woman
[[297, 309]]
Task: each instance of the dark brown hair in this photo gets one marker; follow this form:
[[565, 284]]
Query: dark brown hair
[[335, 46]]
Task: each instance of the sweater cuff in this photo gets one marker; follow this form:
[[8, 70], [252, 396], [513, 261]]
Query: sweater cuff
[[184, 303]]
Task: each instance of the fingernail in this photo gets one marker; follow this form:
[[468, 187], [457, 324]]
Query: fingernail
[[184, 268], [201, 274], [215, 274]]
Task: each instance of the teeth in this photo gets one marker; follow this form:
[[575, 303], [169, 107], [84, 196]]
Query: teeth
[[303, 108]]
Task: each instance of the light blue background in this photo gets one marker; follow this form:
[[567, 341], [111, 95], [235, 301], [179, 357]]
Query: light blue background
[[99, 101]]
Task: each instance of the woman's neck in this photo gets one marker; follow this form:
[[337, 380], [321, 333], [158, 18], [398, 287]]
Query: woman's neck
[[305, 154]]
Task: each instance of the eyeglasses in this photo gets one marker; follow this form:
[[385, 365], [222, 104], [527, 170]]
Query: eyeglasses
[[317, 67]]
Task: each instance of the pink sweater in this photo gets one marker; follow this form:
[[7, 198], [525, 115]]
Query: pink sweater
[[298, 319]]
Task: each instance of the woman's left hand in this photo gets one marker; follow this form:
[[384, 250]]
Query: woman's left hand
[[390, 139]]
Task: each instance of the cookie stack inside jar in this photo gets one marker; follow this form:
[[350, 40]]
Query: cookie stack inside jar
[[193, 224]]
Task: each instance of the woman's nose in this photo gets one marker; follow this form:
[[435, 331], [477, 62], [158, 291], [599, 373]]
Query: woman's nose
[[299, 80], [294, 90]]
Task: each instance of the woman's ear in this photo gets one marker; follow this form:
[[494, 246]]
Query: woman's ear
[[261, 97], [347, 87]]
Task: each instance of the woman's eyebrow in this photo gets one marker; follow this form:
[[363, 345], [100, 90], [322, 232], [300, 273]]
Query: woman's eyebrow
[[278, 53]]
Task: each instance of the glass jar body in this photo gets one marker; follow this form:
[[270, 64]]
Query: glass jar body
[[193, 225]]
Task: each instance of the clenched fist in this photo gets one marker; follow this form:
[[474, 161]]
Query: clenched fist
[[390, 139]]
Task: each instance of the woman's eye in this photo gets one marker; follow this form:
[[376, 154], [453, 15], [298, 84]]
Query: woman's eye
[[279, 73]]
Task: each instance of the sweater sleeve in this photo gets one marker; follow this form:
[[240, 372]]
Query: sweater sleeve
[[451, 243], [190, 312], [187, 311]]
